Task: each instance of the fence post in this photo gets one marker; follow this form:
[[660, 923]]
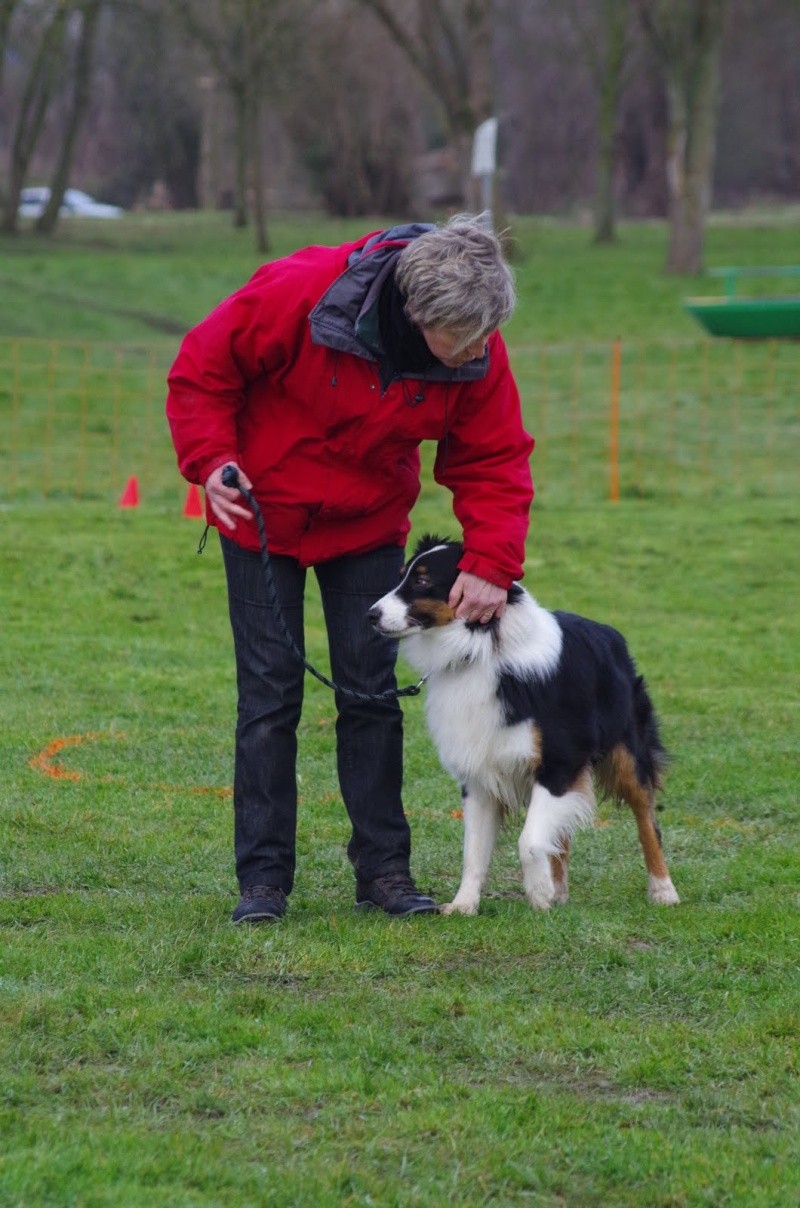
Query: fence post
[[613, 449]]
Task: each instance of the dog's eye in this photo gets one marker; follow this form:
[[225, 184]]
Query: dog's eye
[[421, 580]]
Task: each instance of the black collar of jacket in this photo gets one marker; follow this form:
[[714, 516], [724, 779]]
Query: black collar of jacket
[[405, 349], [347, 316]]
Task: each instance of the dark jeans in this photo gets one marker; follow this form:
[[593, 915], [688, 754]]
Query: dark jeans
[[369, 736]]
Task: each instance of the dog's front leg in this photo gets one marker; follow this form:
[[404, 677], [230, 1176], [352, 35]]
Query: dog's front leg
[[481, 821]]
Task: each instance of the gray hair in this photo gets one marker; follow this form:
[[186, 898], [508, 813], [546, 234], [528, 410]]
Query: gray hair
[[456, 278]]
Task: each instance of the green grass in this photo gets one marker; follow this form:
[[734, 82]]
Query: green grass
[[91, 325], [149, 277], [608, 1053], [704, 420]]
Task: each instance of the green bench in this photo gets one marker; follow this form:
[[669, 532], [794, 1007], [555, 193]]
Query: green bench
[[732, 275], [755, 317]]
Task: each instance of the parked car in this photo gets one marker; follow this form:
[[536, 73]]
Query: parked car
[[76, 204]]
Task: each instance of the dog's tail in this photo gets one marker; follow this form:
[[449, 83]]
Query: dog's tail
[[651, 757]]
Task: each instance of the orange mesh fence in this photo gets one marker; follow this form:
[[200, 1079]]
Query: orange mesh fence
[[622, 419], [660, 419], [79, 419]]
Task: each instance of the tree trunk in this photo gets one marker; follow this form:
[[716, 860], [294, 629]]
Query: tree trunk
[[84, 58], [241, 148], [6, 13], [256, 160], [38, 93], [610, 72], [480, 100], [453, 56], [209, 174], [604, 210], [687, 40], [690, 163], [256, 38]]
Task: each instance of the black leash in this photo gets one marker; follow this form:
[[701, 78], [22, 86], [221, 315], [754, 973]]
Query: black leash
[[230, 478]]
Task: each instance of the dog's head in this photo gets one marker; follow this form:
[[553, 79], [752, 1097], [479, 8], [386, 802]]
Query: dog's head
[[419, 602]]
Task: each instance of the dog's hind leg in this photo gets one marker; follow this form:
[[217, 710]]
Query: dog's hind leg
[[659, 883], [621, 778], [549, 824], [481, 823], [559, 868]]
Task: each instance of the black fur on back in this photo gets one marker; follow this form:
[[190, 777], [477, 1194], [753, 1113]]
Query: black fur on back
[[592, 702]]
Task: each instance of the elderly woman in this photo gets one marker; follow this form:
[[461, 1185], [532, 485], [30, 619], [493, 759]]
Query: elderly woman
[[318, 380]]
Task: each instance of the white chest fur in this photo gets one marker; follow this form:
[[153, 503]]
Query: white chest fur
[[474, 744], [465, 716]]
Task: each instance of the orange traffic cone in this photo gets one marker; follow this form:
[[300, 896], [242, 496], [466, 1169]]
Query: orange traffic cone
[[193, 508], [130, 496]]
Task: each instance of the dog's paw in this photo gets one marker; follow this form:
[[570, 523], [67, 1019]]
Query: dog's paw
[[456, 907], [541, 896], [661, 891], [560, 893]]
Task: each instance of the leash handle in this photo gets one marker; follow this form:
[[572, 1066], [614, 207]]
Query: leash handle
[[230, 478]]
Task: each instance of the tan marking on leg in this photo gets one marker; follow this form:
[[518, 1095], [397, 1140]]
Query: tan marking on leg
[[619, 778], [559, 867], [536, 758]]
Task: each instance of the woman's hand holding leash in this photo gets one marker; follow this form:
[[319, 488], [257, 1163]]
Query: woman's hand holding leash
[[231, 479], [226, 501], [473, 599]]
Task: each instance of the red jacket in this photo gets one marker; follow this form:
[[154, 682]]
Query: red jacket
[[282, 377]]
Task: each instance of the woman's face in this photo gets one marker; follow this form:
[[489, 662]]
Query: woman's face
[[446, 346]]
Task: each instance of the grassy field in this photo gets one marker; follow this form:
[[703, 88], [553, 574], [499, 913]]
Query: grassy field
[[608, 1053], [91, 325], [150, 277]]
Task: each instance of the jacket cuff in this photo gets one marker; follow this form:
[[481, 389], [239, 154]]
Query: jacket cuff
[[208, 467], [474, 564]]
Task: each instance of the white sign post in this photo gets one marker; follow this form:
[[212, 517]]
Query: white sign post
[[484, 163]]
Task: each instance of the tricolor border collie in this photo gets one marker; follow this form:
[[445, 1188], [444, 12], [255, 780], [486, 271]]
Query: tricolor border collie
[[529, 712]]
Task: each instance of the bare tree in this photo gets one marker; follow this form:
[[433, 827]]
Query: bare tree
[[449, 45], [359, 127], [686, 36], [6, 13], [40, 87], [145, 113], [81, 95], [342, 109], [605, 39], [244, 41]]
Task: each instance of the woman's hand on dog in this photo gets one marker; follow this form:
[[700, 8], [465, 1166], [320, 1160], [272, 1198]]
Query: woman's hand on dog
[[477, 600]]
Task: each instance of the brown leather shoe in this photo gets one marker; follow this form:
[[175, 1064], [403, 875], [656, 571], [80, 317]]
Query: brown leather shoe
[[395, 893], [260, 904]]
